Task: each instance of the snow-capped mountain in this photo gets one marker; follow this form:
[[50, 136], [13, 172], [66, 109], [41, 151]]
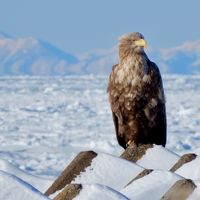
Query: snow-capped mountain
[[183, 59], [4, 35], [30, 56]]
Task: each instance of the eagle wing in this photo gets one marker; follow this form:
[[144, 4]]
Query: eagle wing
[[114, 106], [120, 139], [160, 128]]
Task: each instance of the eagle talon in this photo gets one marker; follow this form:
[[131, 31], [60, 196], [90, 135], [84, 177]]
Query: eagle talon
[[128, 143]]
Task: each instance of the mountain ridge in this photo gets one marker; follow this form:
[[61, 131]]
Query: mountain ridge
[[31, 56]]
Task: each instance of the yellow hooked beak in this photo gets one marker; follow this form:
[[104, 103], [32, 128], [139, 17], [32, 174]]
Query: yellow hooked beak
[[141, 43]]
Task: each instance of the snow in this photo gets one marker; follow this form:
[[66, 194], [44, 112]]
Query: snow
[[46, 122], [41, 184], [109, 170], [152, 186], [158, 157], [11, 187], [190, 170], [182, 94], [196, 194], [99, 192]]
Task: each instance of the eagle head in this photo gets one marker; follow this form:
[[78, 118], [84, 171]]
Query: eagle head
[[133, 43]]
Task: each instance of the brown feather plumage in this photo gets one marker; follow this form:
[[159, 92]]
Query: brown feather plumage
[[136, 96]]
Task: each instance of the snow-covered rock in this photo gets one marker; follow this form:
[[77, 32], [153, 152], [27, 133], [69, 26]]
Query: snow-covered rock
[[109, 170], [103, 169], [39, 183], [190, 170], [99, 192], [129, 178], [14, 188], [158, 157], [151, 186], [107, 177]]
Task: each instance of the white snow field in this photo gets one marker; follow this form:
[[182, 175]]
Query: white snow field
[[45, 122]]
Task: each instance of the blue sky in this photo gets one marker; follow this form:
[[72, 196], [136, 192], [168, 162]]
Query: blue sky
[[81, 25]]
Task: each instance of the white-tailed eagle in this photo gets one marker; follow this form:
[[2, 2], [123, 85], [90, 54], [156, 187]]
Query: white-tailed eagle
[[136, 95]]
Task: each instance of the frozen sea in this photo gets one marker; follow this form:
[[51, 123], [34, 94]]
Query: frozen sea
[[45, 122]]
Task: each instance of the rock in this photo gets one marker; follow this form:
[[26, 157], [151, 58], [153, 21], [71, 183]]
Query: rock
[[184, 159], [69, 192], [141, 175], [180, 190], [133, 153], [78, 165]]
